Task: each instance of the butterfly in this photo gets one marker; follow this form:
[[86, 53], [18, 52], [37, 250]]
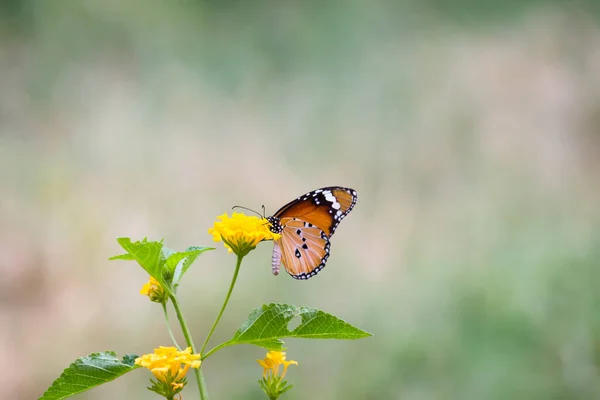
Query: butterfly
[[306, 224]]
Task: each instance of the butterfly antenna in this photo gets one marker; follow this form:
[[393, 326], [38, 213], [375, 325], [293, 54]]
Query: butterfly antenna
[[249, 209]]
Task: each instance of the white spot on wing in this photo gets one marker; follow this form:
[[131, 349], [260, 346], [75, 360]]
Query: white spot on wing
[[330, 197]]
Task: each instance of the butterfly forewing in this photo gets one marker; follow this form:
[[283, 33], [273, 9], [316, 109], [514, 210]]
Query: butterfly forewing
[[306, 224], [324, 207]]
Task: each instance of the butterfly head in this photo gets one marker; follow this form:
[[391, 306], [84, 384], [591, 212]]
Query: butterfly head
[[275, 223]]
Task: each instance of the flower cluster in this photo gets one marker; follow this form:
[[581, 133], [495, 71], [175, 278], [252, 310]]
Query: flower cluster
[[154, 291], [272, 383], [169, 366], [241, 233]]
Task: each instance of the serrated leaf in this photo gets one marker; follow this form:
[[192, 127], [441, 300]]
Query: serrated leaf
[[191, 254], [174, 260], [268, 324], [167, 272], [129, 359], [165, 253], [88, 372], [148, 254]]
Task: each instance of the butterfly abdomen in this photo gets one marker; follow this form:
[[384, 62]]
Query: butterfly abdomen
[[276, 259]]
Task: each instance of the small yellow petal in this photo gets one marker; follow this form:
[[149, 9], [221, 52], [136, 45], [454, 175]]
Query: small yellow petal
[[273, 360], [160, 373], [146, 289], [286, 364], [154, 290], [277, 356]]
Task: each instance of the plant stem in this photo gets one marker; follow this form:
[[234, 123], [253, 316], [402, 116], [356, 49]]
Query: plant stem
[[208, 353], [235, 274], [190, 342], [164, 306]]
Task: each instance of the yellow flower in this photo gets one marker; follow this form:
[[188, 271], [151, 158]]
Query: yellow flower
[[272, 362], [272, 383], [154, 291], [241, 233], [169, 366]]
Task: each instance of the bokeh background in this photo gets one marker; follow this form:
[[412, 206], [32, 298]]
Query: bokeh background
[[470, 130]]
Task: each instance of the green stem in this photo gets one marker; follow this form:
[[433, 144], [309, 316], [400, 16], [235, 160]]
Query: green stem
[[164, 306], [190, 342], [235, 274], [208, 353], [216, 348]]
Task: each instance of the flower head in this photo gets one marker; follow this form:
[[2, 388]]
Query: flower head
[[169, 366], [241, 233], [154, 290], [272, 362], [273, 383]]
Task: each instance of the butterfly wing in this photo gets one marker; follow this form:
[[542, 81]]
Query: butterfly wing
[[324, 208], [304, 250], [305, 225]]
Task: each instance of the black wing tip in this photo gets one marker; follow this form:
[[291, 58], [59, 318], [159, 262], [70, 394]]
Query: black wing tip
[[336, 221], [344, 188], [353, 192]]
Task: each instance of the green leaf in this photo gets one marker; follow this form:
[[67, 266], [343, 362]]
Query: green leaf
[[166, 271], [183, 263], [165, 253], [88, 372], [165, 265], [148, 254], [122, 257], [267, 325]]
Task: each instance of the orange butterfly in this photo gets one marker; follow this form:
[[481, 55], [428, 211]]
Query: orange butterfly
[[306, 224]]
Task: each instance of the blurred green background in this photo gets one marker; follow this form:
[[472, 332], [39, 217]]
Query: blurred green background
[[470, 130]]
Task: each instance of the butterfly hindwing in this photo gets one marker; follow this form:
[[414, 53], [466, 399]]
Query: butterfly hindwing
[[305, 225], [304, 249]]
